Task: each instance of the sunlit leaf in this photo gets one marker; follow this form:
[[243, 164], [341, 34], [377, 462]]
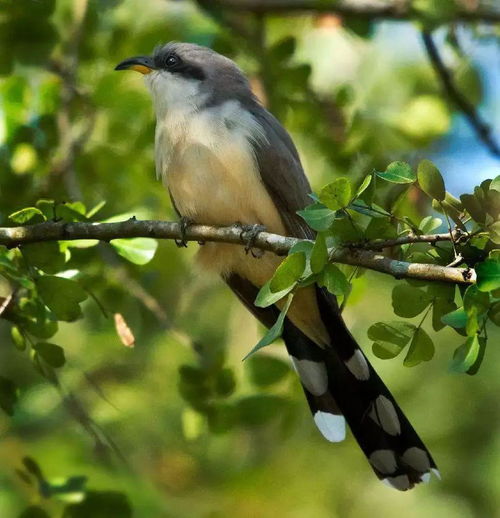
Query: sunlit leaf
[[319, 254], [364, 185], [429, 224], [336, 195], [466, 356], [488, 275], [288, 272], [137, 250], [29, 214], [317, 216], [430, 180], [18, 338], [398, 172]]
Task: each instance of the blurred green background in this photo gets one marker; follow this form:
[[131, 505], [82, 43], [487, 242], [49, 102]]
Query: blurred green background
[[355, 95]]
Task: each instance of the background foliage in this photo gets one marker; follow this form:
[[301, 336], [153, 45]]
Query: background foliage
[[178, 426]]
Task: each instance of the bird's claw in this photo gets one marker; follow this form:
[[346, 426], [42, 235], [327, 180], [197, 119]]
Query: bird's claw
[[185, 223], [248, 235]]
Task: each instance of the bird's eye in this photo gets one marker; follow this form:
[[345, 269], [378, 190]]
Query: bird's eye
[[172, 61]]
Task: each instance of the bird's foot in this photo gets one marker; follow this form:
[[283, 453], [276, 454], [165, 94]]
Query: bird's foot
[[185, 223], [248, 235]]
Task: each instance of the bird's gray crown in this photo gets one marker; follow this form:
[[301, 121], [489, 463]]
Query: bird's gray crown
[[219, 76]]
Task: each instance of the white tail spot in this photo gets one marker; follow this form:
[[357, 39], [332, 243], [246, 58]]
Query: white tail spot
[[332, 426]]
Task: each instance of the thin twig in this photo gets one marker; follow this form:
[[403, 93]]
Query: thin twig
[[367, 10], [280, 245], [482, 129]]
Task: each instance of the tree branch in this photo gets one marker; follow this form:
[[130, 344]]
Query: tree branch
[[280, 245], [482, 129], [368, 9]]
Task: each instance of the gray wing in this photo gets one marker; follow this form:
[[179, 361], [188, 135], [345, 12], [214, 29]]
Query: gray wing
[[282, 173]]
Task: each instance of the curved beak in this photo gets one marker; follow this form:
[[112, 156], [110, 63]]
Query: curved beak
[[142, 64]]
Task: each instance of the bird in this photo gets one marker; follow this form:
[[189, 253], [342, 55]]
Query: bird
[[225, 159]]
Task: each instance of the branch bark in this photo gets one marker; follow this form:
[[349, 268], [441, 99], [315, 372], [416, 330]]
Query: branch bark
[[280, 245], [368, 9]]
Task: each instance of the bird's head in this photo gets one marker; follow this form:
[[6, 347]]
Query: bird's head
[[187, 76]]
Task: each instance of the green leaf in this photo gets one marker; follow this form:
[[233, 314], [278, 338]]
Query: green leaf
[[398, 172], [466, 356], [319, 254], [495, 184], [421, 349], [100, 504], [344, 230], [94, 210], [51, 353], [275, 331], [33, 511], [334, 280], [336, 195], [456, 319], [494, 231], [477, 300], [317, 216], [441, 308], [364, 185], [225, 382], [494, 313], [408, 301], [29, 213], [266, 370], [381, 228], [488, 275], [429, 224], [259, 409], [8, 395], [18, 338], [138, 250], [61, 296], [390, 338], [282, 50], [46, 256], [288, 272], [430, 180], [474, 207], [266, 297]]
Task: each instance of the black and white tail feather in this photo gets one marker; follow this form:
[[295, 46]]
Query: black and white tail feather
[[340, 385]]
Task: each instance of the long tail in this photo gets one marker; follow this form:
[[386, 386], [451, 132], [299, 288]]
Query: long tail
[[339, 383]]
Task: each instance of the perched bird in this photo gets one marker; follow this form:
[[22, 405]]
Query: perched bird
[[224, 159]]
